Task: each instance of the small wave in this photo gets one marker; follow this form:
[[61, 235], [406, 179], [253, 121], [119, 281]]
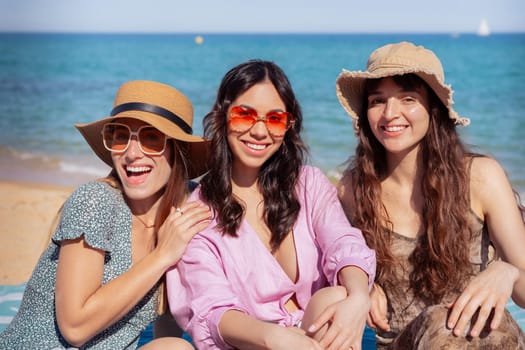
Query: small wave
[[64, 169], [33, 160], [83, 169]]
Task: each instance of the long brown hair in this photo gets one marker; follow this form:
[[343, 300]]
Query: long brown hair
[[278, 175], [175, 194], [441, 258]]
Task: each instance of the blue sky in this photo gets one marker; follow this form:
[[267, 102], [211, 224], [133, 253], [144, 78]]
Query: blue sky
[[212, 16]]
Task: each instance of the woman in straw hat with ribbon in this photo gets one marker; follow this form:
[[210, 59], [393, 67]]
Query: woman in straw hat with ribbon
[[437, 215], [97, 284]]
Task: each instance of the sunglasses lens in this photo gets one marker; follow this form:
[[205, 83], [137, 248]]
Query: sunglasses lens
[[242, 119], [152, 140], [277, 123], [116, 137]]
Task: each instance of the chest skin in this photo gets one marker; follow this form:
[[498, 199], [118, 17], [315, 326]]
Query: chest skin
[[285, 254]]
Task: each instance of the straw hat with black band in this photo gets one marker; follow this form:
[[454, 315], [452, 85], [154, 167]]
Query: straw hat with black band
[[159, 105], [395, 59]]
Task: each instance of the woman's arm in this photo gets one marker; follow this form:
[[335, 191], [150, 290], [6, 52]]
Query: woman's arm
[[341, 244], [85, 306], [504, 219], [492, 198], [347, 261], [245, 332]]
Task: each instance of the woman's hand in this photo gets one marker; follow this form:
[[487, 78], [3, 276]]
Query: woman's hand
[[487, 293], [346, 322], [377, 316], [179, 228]]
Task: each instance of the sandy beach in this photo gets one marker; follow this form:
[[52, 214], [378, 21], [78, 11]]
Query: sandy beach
[[27, 211]]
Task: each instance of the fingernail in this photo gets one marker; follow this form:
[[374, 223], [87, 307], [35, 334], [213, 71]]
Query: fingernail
[[311, 328]]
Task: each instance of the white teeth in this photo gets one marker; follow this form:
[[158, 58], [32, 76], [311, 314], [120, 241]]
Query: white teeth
[[255, 147], [394, 128], [137, 169]]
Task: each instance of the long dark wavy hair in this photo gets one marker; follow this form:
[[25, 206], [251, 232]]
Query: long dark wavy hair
[[441, 258], [278, 175]]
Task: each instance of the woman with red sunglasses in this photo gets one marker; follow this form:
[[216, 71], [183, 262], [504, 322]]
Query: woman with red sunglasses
[[99, 282], [279, 267]]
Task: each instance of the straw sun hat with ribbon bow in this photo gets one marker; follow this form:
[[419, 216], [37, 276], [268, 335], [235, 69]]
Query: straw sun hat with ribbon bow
[[395, 59], [159, 105]]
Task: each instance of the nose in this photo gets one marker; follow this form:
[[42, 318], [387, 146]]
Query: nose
[[392, 108], [134, 150], [259, 130]]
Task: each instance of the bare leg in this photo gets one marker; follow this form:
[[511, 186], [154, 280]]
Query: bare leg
[[165, 343]]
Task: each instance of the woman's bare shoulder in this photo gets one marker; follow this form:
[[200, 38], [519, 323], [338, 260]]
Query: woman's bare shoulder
[[486, 173], [489, 185]]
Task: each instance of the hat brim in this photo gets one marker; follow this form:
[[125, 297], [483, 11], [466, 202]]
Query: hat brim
[[198, 147], [350, 88]]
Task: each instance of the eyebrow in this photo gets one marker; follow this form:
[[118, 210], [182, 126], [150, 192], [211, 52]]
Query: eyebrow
[[271, 110]]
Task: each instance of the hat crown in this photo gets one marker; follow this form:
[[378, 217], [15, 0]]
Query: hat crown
[[157, 94], [405, 55]]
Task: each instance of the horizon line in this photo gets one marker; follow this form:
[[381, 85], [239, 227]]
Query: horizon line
[[2, 31]]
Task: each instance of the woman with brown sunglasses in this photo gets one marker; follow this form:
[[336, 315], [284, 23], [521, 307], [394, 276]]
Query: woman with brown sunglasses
[[99, 282]]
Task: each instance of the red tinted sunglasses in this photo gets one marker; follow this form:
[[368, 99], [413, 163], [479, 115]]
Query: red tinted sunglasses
[[243, 118]]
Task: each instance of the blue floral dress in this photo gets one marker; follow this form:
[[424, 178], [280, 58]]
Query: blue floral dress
[[99, 213]]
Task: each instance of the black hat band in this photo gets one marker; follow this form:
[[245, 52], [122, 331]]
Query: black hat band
[[146, 107]]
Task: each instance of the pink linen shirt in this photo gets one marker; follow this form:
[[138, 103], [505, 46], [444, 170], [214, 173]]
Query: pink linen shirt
[[219, 273]]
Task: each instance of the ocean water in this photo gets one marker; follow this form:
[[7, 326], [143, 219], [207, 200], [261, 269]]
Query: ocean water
[[48, 82]]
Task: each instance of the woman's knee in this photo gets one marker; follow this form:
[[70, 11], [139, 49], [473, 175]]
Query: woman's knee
[[168, 343], [329, 295], [320, 301]]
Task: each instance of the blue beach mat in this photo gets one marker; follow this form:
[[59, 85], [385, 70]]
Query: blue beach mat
[[368, 338]]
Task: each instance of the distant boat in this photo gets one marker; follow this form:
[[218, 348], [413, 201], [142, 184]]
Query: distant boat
[[483, 29]]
